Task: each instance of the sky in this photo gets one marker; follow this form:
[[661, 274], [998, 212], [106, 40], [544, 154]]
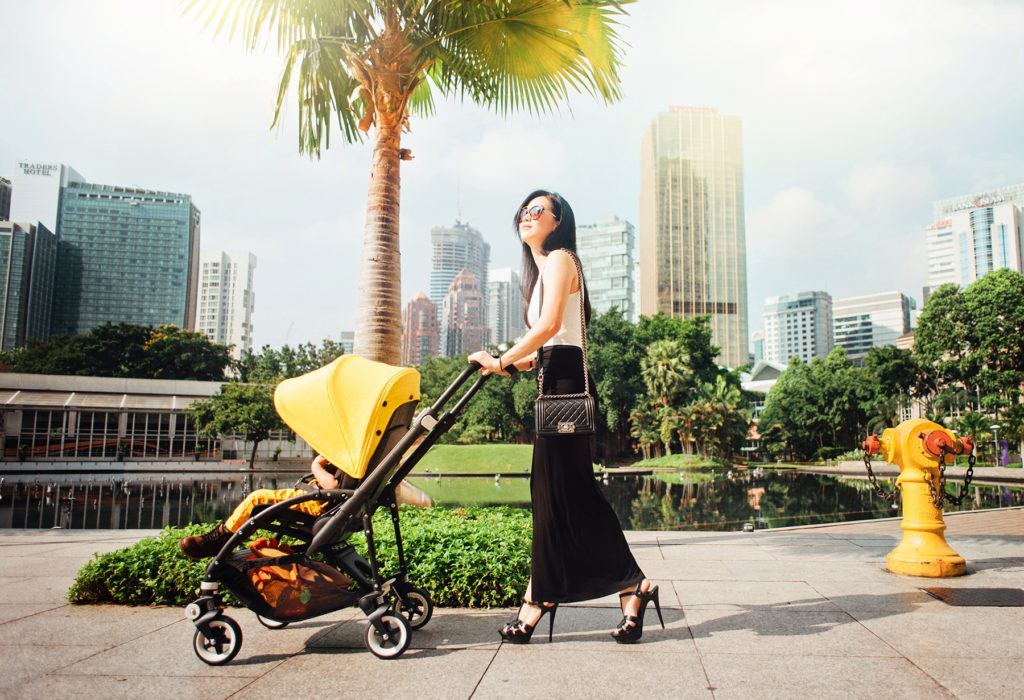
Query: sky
[[856, 117]]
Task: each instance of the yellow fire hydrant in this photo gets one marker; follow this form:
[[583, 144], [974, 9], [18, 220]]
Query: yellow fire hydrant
[[921, 448]]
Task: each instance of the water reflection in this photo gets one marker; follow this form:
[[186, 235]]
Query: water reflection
[[664, 501]]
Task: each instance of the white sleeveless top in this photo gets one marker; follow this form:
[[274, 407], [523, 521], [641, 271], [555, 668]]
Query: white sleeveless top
[[569, 333]]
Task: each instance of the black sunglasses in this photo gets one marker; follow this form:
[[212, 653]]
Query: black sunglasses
[[533, 212]]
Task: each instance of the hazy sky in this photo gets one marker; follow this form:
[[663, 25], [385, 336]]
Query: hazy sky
[[856, 116]]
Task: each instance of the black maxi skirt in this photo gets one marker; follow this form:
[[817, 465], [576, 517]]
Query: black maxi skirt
[[579, 551]]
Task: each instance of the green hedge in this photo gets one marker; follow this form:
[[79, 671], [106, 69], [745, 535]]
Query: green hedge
[[465, 557]]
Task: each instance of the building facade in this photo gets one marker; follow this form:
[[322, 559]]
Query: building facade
[[55, 421], [757, 343], [972, 235], [874, 320], [36, 191], [460, 247], [124, 255], [692, 232], [463, 323], [5, 199], [505, 320], [797, 326], [420, 333], [27, 260], [226, 298], [348, 341], [608, 254]]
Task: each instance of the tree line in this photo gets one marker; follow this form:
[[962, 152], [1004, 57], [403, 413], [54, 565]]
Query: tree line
[[659, 389], [966, 371]]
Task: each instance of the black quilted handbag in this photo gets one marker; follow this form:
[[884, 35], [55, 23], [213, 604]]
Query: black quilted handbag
[[559, 415]]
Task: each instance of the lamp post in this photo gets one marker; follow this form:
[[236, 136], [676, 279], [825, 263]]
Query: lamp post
[[995, 439]]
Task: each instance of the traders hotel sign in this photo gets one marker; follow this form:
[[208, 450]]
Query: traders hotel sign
[[40, 169]]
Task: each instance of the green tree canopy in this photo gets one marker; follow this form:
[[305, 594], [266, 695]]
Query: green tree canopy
[[975, 337], [270, 366], [239, 408], [126, 350]]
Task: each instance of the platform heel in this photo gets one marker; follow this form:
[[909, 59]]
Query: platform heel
[[518, 632], [631, 628]]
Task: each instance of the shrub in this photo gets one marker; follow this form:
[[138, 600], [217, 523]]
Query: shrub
[[465, 557], [149, 572]]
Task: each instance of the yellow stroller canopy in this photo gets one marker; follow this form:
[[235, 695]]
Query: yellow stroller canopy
[[342, 409]]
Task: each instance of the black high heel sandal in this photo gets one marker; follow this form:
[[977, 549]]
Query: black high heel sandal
[[631, 628], [518, 632]]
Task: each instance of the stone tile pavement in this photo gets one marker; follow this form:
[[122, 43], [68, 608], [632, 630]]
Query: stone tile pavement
[[798, 613]]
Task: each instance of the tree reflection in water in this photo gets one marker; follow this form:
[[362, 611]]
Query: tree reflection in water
[[726, 501]]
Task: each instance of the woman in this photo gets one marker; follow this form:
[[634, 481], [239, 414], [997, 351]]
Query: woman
[[579, 551]]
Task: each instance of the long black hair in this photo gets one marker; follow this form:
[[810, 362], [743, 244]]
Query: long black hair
[[563, 236]]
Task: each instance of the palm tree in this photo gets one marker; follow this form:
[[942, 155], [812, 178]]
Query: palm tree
[[883, 413], [374, 63], [665, 370], [975, 425]]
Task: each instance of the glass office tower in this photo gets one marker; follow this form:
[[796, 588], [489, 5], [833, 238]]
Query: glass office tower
[[608, 257], [125, 254], [455, 249], [27, 258], [693, 258]]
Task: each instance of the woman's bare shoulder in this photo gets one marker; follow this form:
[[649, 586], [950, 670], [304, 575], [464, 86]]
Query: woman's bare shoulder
[[560, 268]]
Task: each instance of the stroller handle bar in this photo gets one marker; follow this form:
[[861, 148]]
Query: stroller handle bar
[[426, 422]]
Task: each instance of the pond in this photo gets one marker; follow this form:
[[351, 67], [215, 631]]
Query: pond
[[686, 500]]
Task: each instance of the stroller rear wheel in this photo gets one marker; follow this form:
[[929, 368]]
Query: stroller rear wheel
[[222, 647], [399, 636], [417, 607]]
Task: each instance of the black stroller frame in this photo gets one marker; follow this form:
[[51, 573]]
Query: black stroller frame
[[393, 605]]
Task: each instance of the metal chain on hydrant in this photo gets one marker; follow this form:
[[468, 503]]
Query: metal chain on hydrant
[[940, 495], [887, 495]]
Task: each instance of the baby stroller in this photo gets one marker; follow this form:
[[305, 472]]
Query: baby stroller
[[359, 415]]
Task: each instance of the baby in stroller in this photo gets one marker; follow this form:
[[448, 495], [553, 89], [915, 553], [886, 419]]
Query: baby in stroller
[[322, 473]]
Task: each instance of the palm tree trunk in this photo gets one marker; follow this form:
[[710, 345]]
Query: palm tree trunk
[[378, 332]]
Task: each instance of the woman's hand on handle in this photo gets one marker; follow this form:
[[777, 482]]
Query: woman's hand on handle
[[489, 364]]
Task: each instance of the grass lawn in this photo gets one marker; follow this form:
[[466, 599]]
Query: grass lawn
[[680, 461], [482, 491], [486, 459]]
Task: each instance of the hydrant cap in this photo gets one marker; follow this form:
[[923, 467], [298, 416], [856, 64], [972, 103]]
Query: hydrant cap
[[872, 445], [937, 443]]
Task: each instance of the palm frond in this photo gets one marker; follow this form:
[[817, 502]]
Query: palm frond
[[286, 22], [529, 53], [324, 88]]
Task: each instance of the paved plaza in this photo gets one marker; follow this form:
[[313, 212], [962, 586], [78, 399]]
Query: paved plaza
[[804, 612]]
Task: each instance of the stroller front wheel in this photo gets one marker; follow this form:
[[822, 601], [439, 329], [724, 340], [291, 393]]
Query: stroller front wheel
[[416, 605], [222, 647], [398, 637]]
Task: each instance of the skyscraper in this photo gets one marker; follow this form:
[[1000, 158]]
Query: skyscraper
[[5, 199], [875, 320], [455, 249], [693, 258], [36, 190], [972, 235], [607, 253], [504, 306], [420, 336], [463, 320], [124, 255], [798, 325], [27, 258], [226, 298]]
